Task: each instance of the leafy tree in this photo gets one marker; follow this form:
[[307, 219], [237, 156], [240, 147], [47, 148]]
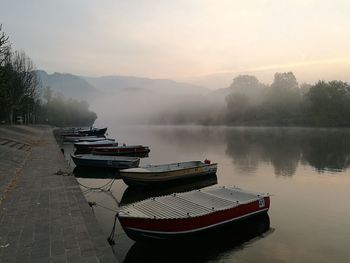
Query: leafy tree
[[246, 94], [248, 85], [283, 99], [329, 103]]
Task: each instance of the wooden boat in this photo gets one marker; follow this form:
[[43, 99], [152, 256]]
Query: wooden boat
[[85, 139], [182, 214], [155, 174], [87, 146], [210, 246], [121, 150], [93, 131], [72, 131], [134, 194], [90, 160]]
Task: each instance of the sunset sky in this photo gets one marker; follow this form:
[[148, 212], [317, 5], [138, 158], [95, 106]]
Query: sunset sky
[[191, 40]]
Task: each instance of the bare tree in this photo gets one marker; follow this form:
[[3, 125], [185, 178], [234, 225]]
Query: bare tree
[[4, 46], [22, 87]]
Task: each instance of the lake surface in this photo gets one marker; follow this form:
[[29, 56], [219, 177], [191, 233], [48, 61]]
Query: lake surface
[[306, 171]]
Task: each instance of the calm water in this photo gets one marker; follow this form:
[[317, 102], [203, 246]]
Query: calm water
[[306, 170]]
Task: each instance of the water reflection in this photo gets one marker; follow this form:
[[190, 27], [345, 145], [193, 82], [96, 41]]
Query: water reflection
[[205, 247], [96, 172], [132, 195], [285, 148]]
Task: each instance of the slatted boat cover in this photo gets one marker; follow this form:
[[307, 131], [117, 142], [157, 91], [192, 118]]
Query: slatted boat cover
[[190, 204]]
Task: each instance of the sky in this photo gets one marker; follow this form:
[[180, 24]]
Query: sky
[[199, 41]]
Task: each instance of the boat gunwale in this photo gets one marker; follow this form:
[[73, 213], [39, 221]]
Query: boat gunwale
[[265, 210], [210, 212], [236, 204], [122, 158], [123, 147], [167, 171]]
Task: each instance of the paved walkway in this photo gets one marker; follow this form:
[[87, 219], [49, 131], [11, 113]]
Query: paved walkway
[[45, 217]]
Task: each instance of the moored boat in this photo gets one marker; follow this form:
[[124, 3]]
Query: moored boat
[[134, 194], [85, 139], [156, 174], [120, 162], [210, 246], [87, 146], [73, 131], [182, 214], [121, 150], [93, 131]]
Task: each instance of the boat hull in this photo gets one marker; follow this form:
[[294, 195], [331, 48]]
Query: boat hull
[[134, 194], [86, 148], [93, 132], [83, 139], [144, 229], [118, 164], [154, 178], [209, 246], [121, 151]]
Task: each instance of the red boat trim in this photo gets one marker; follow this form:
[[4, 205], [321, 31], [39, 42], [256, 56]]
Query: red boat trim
[[198, 229], [195, 223]]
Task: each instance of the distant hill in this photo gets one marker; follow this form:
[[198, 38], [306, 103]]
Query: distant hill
[[113, 84], [69, 85], [79, 87]]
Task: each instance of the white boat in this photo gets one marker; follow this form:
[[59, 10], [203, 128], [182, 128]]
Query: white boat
[[178, 215], [87, 146], [90, 160], [85, 139], [155, 174]]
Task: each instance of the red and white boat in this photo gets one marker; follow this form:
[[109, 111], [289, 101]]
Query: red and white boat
[[121, 150], [183, 214], [87, 146]]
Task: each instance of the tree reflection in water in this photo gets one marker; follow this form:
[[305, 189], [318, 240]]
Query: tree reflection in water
[[286, 148]]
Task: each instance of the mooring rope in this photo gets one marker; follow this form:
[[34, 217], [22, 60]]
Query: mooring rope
[[100, 187]]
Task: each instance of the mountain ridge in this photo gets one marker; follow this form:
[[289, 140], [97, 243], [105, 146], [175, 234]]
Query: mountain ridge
[[85, 87]]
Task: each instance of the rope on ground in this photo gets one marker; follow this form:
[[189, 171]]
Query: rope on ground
[[110, 239], [92, 204], [100, 187]]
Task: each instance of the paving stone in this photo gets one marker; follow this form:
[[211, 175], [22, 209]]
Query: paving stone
[[58, 259], [46, 218]]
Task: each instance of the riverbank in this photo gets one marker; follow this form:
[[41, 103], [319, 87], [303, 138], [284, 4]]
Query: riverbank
[[44, 217]]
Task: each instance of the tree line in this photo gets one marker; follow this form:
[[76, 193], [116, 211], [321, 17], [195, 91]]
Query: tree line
[[285, 102], [24, 100], [248, 102]]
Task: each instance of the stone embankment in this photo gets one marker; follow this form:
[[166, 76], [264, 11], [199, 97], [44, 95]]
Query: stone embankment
[[44, 217]]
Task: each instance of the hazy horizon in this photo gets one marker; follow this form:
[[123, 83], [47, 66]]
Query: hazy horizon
[[201, 42]]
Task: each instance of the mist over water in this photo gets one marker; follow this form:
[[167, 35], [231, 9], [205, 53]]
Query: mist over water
[[148, 107], [306, 171]]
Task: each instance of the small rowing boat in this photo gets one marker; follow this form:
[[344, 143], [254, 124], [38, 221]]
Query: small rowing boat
[[135, 194], [93, 131], [155, 174], [210, 246], [87, 146], [85, 139], [90, 160], [121, 150], [182, 214]]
